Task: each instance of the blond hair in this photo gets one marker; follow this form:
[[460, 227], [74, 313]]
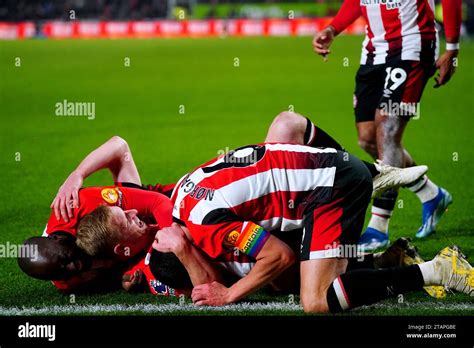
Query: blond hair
[[96, 233]]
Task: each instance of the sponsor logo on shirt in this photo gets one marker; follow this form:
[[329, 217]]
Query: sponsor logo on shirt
[[389, 4], [231, 238]]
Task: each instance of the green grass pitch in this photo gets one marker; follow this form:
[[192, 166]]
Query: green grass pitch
[[225, 106]]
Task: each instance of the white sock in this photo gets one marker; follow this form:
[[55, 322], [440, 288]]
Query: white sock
[[430, 277], [380, 219], [425, 190]]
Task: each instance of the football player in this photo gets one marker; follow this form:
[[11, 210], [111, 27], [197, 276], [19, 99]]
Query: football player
[[127, 200], [235, 200], [399, 56], [72, 204]]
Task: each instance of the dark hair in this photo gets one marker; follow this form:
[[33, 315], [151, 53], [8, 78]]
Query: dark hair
[[167, 268]]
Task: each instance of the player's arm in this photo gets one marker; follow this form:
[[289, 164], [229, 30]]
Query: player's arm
[[347, 14], [452, 18], [200, 269], [272, 259], [115, 154]]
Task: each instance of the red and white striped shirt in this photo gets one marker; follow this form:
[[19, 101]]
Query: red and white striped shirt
[[266, 184], [399, 28]]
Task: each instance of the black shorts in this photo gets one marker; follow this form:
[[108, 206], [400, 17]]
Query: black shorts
[[338, 220], [395, 87]]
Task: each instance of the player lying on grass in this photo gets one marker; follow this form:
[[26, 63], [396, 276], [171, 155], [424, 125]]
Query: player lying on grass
[[234, 201], [399, 56], [71, 205], [58, 252]]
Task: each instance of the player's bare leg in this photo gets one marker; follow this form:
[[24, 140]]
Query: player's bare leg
[[366, 137], [389, 133], [316, 278], [367, 140]]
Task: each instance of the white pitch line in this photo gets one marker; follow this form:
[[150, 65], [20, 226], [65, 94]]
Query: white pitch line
[[171, 308], [168, 308]]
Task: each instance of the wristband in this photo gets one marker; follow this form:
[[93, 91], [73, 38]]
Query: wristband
[[452, 46], [334, 31]]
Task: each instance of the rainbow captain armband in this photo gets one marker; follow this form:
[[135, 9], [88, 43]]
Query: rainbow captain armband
[[251, 239]]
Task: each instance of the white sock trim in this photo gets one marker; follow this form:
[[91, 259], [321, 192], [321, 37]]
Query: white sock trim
[[380, 211], [418, 185], [341, 294]]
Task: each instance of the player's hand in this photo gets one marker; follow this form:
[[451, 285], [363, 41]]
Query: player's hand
[[322, 41], [446, 66], [67, 197], [170, 239], [212, 294], [132, 281]]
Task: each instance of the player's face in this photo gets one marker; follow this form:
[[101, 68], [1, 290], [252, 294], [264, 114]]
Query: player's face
[[133, 231], [68, 260]]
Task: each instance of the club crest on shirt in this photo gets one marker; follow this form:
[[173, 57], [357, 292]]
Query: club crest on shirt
[[389, 4], [111, 195], [231, 238]]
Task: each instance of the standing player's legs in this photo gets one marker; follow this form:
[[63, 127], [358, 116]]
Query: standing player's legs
[[406, 80], [368, 92], [366, 137]]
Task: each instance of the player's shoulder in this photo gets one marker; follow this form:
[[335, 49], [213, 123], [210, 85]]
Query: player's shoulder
[[96, 195]]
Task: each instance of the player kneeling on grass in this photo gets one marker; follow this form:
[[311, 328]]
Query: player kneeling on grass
[[233, 201]]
